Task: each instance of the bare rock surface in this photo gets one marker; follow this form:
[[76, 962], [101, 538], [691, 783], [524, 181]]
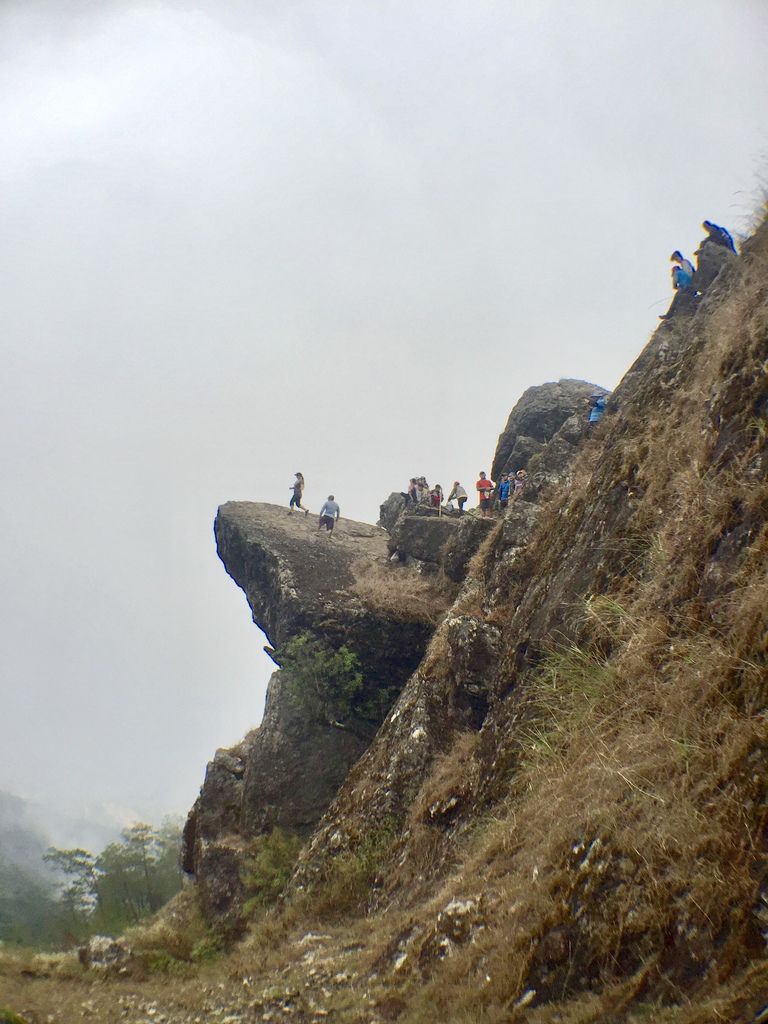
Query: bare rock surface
[[536, 418]]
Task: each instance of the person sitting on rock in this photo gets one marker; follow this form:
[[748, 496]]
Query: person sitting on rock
[[682, 271], [718, 235], [298, 490], [484, 488], [502, 490], [682, 282], [330, 513], [715, 252], [460, 495], [521, 482]]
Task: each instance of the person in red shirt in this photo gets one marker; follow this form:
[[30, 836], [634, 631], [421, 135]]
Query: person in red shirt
[[484, 488]]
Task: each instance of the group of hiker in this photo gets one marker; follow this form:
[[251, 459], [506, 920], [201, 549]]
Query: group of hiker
[[688, 282], [330, 513], [510, 485]]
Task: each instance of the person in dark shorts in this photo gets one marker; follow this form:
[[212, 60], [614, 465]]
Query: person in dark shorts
[[298, 490], [329, 514], [484, 488]]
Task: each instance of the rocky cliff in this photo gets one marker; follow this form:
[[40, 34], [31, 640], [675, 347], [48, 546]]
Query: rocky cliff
[[564, 815], [339, 591], [581, 756], [377, 592]]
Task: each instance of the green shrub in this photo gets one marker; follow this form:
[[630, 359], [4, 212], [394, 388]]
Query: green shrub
[[350, 876], [329, 683], [9, 1017], [269, 867], [207, 949]]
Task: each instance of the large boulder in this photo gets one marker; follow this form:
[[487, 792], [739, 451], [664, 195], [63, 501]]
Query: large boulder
[[538, 415], [422, 534], [462, 544], [711, 259], [392, 508], [299, 580]]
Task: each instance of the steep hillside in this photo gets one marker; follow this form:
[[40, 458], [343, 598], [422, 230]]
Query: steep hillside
[[376, 594], [564, 815], [604, 830]]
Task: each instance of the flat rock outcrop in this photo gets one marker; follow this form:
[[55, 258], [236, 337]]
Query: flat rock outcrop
[[297, 579]]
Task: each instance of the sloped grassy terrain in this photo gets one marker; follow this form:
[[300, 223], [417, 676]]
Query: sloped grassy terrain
[[588, 841]]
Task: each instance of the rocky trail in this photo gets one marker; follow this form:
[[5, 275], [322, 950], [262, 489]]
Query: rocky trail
[[325, 974]]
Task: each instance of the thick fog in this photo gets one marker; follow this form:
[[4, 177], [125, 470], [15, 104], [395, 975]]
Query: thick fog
[[243, 239]]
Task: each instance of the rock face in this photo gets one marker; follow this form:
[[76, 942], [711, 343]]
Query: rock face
[[596, 684], [297, 580], [537, 417], [711, 259], [345, 590], [421, 534], [285, 773]]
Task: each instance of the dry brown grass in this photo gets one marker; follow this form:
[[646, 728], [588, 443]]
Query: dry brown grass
[[402, 592], [647, 745]]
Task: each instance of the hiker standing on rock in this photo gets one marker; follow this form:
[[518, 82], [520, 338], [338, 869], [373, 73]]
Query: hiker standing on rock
[[521, 482], [298, 490], [484, 488], [502, 491], [330, 513], [597, 404], [460, 495]]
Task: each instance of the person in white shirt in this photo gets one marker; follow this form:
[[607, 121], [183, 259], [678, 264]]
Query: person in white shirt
[[329, 514], [459, 494]]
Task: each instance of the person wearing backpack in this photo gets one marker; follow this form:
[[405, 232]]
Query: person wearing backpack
[[718, 235]]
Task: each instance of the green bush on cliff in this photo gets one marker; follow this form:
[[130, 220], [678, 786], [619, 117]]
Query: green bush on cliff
[[9, 1017], [329, 683], [269, 867]]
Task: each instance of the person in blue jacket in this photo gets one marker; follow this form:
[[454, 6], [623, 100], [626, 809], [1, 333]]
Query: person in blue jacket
[[597, 404], [682, 271], [718, 235], [502, 490], [682, 282]]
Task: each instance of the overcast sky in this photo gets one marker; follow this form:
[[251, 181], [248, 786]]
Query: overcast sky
[[241, 239]]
